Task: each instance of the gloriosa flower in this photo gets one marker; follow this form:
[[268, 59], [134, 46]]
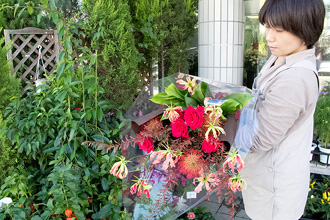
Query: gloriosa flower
[[172, 113], [216, 130], [168, 154], [190, 84], [142, 187], [237, 184], [122, 171], [212, 110], [233, 158], [204, 180]]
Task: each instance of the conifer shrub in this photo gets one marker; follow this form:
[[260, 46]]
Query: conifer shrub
[[9, 86], [111, 29]]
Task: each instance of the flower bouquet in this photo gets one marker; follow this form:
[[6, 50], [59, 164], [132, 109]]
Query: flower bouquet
[[180, 152]]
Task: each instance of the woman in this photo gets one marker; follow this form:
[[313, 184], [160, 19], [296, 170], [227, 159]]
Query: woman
[[277, 166]]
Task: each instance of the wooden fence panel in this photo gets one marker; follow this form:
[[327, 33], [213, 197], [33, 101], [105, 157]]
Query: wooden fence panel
[[25, 52]]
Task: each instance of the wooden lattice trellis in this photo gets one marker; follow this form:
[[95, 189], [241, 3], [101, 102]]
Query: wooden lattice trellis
[[25, 53]]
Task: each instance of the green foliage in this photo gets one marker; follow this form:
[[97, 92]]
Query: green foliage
[[181, 25], [175, 97], [62, 130], [322, 118], [162, 30], [9, 86], [19, 17], [9, 158], [318, 201], [110, 27]]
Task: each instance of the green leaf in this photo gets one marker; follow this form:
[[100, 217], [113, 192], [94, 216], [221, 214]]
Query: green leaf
[[75, 95], [20, 13], [105, 184], [190, 101], [57, 141], [16, 7], [51, 149], [39, 16], [72, 133], [82, 130], [61, 96], [44, 3], [61, 56], [55, 17], [172, 90], [99, 138], [164, 99], [198, 95], [62, 149], [235, 102], [30, 10], [60, 71], [53, 162], [99, 114]]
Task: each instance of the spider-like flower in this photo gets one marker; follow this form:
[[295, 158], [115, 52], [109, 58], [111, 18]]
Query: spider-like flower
[[142, 187], [233, 158], [122, 171], [190, 84], [172, 113], [237, 184], [212, 110], [216, 130], [168, 154], [191, 163], [204, 180]]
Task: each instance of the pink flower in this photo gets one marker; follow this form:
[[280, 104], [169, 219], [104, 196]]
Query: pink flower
[[233, 158], [179, 128], [204, 180], [146, 144], [190, 84], [237, 184], [194, 117], [78, 109], [119, 169], [142, 187], [191, 215], [211, 145], [173, 113], [168, 155]]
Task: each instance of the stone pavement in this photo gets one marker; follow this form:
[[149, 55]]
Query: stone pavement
[[220, 210]]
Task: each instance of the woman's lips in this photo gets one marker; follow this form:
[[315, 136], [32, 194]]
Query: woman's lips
[[272, 48]]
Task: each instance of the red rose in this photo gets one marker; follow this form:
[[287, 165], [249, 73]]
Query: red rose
[[179, 128], [194, 117], [211, 145], [146, 144]]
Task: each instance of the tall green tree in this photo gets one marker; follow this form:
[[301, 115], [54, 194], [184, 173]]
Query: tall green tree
[[163, 29], [109, 25], [181, 25]]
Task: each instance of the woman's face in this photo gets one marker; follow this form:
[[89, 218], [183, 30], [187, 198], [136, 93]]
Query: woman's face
[[282, 43]]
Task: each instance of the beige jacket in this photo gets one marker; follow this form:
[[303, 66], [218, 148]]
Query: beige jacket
[[277, 168]]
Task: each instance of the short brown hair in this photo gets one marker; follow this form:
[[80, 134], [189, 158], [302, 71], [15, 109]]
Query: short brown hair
[[303, 18]]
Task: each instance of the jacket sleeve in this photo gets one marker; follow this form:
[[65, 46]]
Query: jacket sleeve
[[287, 96]]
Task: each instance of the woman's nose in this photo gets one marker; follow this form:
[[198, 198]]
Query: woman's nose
[[270, 35]]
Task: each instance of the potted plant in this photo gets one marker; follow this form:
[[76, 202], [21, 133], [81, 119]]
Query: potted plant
[[318, 201], [322, 124]]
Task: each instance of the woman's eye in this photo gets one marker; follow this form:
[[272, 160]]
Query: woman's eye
[[279, 30]]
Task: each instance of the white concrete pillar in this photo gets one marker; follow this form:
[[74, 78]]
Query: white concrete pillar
[[221, 40]]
